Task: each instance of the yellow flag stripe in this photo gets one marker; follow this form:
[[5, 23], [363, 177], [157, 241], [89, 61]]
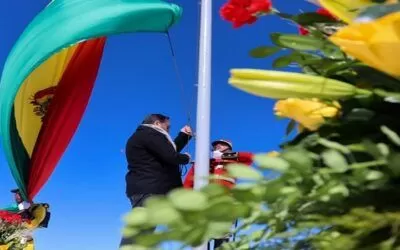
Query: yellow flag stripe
[[27, 114]]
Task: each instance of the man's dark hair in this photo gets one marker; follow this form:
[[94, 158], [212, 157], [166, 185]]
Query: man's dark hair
[[151, 119]]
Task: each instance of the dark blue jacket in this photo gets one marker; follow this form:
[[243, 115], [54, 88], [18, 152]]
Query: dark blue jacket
[[153, 163]]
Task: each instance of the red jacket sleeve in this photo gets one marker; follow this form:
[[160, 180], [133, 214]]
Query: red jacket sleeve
[[189, 179], [245, 158]]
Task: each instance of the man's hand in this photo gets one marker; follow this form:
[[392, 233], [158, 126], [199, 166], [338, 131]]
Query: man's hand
[[187, 130], [190, 157]]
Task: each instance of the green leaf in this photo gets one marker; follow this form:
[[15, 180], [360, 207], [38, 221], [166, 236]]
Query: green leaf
[[305, 59], [241, 211], [149, 240], [192, 217], [383, 149], [273, 163], [259, 192], [359, 114], [299, 159], [339, 189], [376, 78], [188, 200], [310, 18], [333, 52], [218, 229], [137, 217], [214, 190], [195, 236], [297, 42], [175, 235], [243, 194], [282, 61], [220, 209], [264, 51], [377, 11], [309, 71], [391, 135], [290, 127], [288, 190], [133, 247], [373, 175], [161, 211], [392, 99], [130, 232], [335, 160], [372, 149], [283, 15], [273, 188], [334, 67], [394, 165], [242, 171]]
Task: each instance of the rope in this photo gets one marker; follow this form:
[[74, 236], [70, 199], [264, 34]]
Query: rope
[[177, 71], [187, 108], [179, 78]]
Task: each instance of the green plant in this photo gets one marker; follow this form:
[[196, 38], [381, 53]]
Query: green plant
[[339, 183]]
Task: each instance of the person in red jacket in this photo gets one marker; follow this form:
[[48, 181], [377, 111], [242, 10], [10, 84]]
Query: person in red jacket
[[222, 155]]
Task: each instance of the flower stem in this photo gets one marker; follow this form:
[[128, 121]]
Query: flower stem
[[368, 164], [384, 93]]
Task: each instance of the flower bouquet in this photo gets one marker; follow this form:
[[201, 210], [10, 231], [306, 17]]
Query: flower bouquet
[[13, 232], [338, 183]]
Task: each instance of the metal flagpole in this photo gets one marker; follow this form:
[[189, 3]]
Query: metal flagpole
[[203, 100]]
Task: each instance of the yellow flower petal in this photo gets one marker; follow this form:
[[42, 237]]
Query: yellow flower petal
[[359, 50], [310, 114], [376, 43], [300, 128], [390, 64]]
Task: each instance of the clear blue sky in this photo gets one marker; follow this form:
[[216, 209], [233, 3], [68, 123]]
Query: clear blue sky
[[86, 192]]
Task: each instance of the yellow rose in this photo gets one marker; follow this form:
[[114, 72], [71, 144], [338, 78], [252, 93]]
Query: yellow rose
[[30, 246], [347, 10], [39, 215], [310, 114], [3, 247], [376, 43]]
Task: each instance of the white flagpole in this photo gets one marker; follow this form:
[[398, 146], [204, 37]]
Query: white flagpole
[[203, 101]]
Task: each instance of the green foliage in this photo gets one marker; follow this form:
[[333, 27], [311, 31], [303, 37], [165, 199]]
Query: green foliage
[[264, 51], [348, 191], [337, 187], [378, 11]]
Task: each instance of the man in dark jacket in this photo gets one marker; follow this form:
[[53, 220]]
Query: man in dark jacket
[[154, 159]]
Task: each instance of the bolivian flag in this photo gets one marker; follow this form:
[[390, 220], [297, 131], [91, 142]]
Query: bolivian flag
[[49, 75], [49, 106]]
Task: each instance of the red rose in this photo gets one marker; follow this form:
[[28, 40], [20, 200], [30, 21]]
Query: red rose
[[323, 12], [241, 12], [303, 31], [257, 6], [10, 218]]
